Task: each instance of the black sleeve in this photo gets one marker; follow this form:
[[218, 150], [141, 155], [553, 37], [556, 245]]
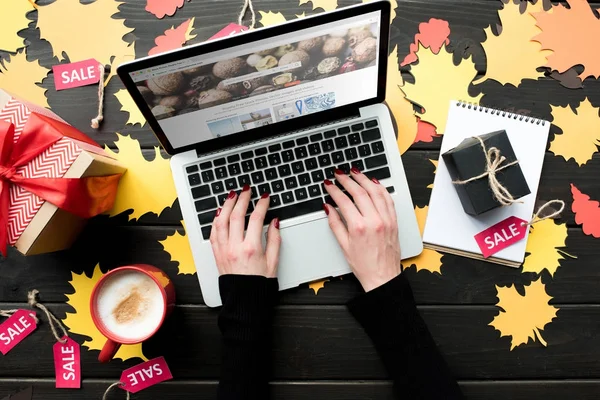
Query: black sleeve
[[246, 324], [389, 316]]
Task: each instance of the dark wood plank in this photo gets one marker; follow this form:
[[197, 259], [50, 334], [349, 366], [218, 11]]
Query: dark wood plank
[[302, 390], [319, 342]]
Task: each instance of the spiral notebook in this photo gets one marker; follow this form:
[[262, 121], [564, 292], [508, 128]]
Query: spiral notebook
[[448, 228]]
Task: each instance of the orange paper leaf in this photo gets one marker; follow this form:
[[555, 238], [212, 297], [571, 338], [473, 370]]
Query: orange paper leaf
[[587, 212], [317, 285], [572, 34], [425, 132], [432, 35], [160, 8], [173, 38]]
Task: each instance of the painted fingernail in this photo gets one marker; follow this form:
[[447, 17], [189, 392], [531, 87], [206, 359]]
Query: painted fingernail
[[326, 209], [339, 172], [264, 195], [328, 182], [218, 212], [355, 170], [231, 195], [375, 180], [276, 223], [246, 188]]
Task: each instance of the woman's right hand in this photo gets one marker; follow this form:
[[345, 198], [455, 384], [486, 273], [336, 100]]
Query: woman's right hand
[[369, 239]]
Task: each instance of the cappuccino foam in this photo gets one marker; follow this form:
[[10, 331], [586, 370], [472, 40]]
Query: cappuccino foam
[[130, 305]]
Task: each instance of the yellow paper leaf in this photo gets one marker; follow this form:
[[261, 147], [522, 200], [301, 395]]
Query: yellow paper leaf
[[80, 321], [178, 247], [326, 5], [19, 77], [90, 31], [429, 260], [544, 239], [12, 20], [317, 285], [437, 81], [581, 132], [402, 109], [394, 4], [128, 105], [435, 164], [127, 55], [513, 56], [271, 18], [523, 317], [147, 186], [301, 15]]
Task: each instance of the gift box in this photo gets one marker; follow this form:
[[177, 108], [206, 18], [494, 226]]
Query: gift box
[[52, 178], [485, 172]]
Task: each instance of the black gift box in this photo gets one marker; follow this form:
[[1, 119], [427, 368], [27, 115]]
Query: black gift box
[[468, 160]]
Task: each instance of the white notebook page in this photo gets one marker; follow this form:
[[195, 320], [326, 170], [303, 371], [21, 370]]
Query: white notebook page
[[447, 224]]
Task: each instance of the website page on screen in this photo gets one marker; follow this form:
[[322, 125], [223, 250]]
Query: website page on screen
[[289, 76]]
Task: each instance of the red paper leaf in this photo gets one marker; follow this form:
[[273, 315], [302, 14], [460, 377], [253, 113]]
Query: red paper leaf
[[587, 212], [160, 8], [425, 132], [173, 38], [432, 35]]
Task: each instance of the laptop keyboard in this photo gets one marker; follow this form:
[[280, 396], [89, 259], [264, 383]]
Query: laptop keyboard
[[292, 172]]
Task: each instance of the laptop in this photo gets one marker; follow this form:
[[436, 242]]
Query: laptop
[[279, 109]]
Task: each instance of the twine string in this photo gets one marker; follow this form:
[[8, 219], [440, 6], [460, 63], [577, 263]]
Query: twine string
[[7, 313], [111, 388], [247, 4], [536, 217], [494, 163], [31, 299], [98, 118]]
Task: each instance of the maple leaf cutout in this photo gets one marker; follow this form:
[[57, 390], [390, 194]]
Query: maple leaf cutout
[[523, 317], [425, 132], [80, 321], [146, 186], [428, 260], [394, 5], [587, 212], [160, 8], [581, 132], [435, 164], [512, 56], [402, 109], [128, 105], [317, 285], [173, 38], [432, 35], [426, 90], [271, 18], [575, 47], [13, 21], [178, 247], [542, 245], [326, 5], [90, 31], [20, 77]]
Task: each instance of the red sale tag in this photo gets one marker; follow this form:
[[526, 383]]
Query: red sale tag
[[67, 365], [229, 30], [144, 375], [16, 328], [501, 235], [81, 73]]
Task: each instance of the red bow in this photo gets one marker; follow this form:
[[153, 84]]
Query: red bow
[[84, 197]]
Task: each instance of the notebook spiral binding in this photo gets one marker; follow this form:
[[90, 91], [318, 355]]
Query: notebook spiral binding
[[500, 112]]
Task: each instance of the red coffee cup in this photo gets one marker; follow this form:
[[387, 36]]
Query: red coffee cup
[[129, 304]]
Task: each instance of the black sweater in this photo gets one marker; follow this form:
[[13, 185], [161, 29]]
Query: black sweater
[[388, 314]]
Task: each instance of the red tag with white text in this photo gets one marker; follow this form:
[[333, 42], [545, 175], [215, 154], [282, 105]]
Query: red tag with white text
[[16, 328], [67, 364], [229, 30], [501, 235], [144, 375], [80, 73]]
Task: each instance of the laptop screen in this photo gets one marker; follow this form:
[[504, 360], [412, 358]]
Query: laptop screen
[[238, 89]]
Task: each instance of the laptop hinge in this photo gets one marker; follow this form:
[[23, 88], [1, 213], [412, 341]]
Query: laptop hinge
[[353, 115]]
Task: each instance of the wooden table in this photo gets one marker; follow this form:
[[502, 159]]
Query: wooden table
[[320, 352]]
